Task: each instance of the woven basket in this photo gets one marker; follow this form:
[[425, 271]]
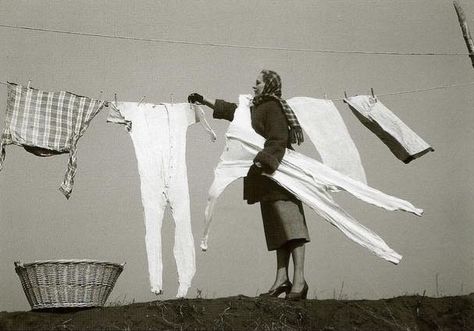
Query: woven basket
[[67, 283]]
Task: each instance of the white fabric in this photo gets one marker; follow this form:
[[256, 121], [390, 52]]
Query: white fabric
[[308, 179], [402, 140], [158, 133], [325, 127]]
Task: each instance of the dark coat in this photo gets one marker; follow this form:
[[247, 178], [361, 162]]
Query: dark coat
[[270, 122]]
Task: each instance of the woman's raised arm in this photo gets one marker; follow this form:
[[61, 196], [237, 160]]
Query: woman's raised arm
[[196, 97]]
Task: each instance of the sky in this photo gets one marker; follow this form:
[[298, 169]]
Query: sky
[[103, 219]]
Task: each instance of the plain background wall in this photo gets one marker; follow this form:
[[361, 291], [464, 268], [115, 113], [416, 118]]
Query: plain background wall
[[104, 218]]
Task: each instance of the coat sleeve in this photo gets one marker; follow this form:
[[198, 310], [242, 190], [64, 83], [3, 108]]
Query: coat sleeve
[[275, 129], [224, 110]]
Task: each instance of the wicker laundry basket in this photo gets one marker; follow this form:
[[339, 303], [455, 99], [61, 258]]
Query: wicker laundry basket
[[67, 283]]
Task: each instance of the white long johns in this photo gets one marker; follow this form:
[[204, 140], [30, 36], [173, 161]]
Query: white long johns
[[158, 133], [308, 179]]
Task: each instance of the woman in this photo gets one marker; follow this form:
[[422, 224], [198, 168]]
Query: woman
[[282, 213]]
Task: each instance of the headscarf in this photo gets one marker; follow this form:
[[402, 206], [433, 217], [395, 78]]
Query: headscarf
[[272, 91]]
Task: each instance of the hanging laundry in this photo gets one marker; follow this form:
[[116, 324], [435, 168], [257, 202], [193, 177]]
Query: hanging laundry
[[158, 133], [325, 127], [47, 123], [307, 178], [404, 143]]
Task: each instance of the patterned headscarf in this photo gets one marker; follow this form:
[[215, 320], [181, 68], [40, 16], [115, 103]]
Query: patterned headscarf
[[272, 91]]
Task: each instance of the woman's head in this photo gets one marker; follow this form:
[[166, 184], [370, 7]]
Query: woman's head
[[268, 87], [268, 83]]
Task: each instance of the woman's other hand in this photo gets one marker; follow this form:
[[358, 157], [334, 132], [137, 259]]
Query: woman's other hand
[[254, 170]]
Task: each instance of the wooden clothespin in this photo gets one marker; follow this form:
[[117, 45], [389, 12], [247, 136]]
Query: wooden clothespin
[[115, 98], [345, 97], [372, 91], [141, 100], [29, 83]]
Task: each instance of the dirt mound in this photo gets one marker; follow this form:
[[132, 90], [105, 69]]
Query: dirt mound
[[245, 313]]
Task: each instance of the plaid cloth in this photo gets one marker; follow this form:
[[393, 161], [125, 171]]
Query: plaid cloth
[[47, 123], [272, 91]]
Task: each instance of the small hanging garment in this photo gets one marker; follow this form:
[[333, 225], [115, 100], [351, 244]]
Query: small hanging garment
[[47, 123], [404, 143], [158, 133]]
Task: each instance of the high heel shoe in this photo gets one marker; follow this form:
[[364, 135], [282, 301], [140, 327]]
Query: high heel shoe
[[297, 296], [285, 287]]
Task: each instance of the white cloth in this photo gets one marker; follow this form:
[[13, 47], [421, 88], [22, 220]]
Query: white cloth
[[158, 133], [325, 127], [404, 143], [308, 179]]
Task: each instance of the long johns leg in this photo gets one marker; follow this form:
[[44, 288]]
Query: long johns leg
[[224, 174], [184, 252], [154, 211]]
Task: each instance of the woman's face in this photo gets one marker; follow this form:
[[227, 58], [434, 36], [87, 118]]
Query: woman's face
[[259, 85]]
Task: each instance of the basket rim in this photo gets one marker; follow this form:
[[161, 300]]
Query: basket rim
[[69, 261]]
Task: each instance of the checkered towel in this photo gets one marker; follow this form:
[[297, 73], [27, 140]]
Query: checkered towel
[[49, 122]]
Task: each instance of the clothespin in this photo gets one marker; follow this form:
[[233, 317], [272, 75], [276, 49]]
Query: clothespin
[[29, 82], [345, 97], [115, 98], [372, 91], [141, 100]]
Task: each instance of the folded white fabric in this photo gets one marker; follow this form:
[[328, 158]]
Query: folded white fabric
[[404, 143]]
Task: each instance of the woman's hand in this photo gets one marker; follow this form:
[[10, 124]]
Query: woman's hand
[[255, 170], [195, 97]]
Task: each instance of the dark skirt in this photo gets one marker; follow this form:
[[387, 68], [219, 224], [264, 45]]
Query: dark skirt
[[283, 221]]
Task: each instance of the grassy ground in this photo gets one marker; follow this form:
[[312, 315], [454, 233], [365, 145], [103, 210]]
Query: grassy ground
[[245, 313]]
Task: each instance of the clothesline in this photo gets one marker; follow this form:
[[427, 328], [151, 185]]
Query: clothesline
[[393, 93], [184, 42], [418, 90]]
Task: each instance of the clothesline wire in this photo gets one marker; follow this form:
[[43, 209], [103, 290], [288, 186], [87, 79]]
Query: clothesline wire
[[417, 90], [393, 93], [224, 45]]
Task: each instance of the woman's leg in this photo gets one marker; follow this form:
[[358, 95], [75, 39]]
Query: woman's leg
[[297, 250], [283, 259]]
